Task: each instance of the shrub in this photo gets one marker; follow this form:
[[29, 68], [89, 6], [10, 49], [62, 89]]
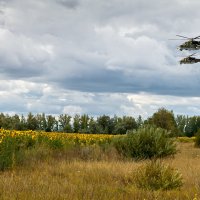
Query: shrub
[[146, 142], [156, 176]]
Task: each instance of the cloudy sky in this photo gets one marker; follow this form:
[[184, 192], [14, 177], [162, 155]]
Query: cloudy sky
[[97, 57]]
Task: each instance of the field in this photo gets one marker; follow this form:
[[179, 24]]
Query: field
[[91, 171]]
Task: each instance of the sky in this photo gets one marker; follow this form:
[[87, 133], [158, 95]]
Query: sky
[[97, 57]]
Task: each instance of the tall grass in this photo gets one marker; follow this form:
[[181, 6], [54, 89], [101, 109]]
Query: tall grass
[[54, 177], [75, 171]]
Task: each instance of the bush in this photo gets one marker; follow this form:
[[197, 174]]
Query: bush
[[156, 176], [146, 142]]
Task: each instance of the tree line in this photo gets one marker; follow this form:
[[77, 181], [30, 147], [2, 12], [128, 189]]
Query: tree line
[[66, 123], [179, 125]]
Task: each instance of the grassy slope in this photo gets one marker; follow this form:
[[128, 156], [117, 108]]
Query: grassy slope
[[105, 179]]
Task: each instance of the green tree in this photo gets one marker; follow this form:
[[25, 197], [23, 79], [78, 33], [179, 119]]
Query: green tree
[[15, 122], [164, 119], [181, 122], [124, 124], [6, 122], [31, 122], [76, 123], [93, 126], [51, 122], [105, 124], [192, 126], [22, 123], [139, 121], [64, 123], [2, 120], [84, 124]]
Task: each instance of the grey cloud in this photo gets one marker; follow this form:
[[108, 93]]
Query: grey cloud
[[98, 47], [167, 17], [69, 3], [116, 81], [22, 57]]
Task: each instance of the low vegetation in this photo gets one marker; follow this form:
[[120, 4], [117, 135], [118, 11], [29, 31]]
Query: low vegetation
[[41, 165], [155, 175], [14, 144], [186, 139], [92, 173], [146, 142]]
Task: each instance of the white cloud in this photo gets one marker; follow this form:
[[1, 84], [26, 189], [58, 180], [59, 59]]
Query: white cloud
[[72, 110], [19, 96]]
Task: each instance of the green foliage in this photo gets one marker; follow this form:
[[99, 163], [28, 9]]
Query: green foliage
[[84, 121], [16, 146], [51, 122], [13, 149], [64, 121], [105, 124], [93, 126], [11, 152], [192, 126], [55, 144], [181, 122], [164, 119], [188, 126], [156, 176], [139, 121], [31, 123], [41, 121], [7, 153], [122, 125], [179, 126], [197, 139], [76, 123], [146, 142]]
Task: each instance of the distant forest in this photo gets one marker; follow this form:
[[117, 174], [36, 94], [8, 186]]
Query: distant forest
[[179, 125]]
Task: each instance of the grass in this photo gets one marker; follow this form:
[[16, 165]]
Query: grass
[[186, 139], [59, 175]]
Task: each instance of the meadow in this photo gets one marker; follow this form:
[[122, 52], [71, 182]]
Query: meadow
[[86, 166]]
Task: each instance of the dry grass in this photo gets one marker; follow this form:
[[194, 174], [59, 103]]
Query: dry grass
[[73, 179]]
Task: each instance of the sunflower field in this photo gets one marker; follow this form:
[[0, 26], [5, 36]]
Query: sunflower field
[[14, 143]]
